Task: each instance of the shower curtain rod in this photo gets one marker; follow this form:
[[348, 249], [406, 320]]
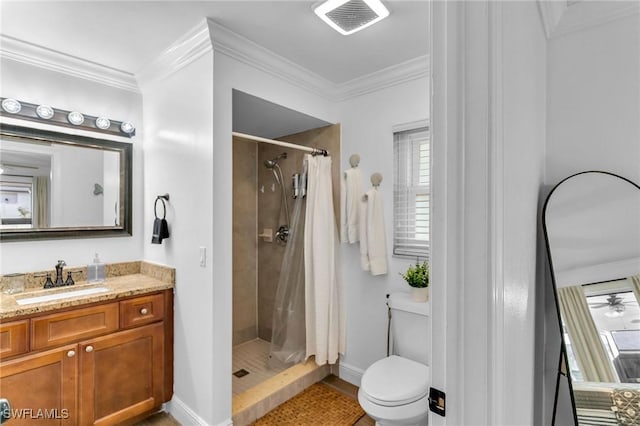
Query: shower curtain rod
[[313, 151]]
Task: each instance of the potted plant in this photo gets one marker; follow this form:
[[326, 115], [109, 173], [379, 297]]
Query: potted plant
[[417, 276]]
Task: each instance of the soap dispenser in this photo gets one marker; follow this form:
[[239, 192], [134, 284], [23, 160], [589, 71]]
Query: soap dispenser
[[96, 271]]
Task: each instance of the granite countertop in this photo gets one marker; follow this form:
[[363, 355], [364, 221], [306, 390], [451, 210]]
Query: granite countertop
[[147, 279]]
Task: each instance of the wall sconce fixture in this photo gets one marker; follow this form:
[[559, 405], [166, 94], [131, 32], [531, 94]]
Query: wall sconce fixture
[[74, 119]]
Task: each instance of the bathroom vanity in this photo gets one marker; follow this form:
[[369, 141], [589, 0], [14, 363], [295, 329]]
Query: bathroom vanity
[[102, 358]]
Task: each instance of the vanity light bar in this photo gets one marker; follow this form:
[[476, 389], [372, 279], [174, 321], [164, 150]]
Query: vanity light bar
[[60, 117]]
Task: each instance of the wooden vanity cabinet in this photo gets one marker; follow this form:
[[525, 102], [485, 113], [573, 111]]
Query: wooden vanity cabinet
[[121, 375], [109, 378], [42, 386]]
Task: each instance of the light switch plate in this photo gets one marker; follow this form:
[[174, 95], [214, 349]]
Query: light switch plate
[[203, 257]]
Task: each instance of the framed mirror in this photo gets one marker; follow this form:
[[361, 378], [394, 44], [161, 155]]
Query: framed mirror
[[57, 185], [591, 224]]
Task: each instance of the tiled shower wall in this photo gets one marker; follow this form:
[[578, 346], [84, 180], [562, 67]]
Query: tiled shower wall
[[245, 242], [265, 213]]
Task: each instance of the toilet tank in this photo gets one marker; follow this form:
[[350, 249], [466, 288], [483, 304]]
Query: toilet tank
[[410, 328]]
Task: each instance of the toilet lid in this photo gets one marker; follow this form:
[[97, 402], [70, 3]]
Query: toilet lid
[[395, 381]]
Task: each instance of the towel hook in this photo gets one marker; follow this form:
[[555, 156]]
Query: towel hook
[[354, 160]]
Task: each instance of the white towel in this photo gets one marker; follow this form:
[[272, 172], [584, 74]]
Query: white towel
[[350, 203], [373, 241]]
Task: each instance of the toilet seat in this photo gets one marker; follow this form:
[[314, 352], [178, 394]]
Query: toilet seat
[[395, 381]]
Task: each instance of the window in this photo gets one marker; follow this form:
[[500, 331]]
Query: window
[[16, 202], [411, 192]]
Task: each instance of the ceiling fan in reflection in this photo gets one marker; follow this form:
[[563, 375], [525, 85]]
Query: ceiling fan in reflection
[[616, 306]]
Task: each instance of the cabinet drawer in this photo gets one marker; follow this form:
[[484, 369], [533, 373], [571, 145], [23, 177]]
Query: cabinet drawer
[[141, 310], [66, 327], [14, 338]]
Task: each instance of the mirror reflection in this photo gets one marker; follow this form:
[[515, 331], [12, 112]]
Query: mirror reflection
[[83, 182], [592, 226], [52, 184]]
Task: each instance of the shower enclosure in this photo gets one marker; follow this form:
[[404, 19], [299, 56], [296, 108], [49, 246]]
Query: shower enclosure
[[262, 219]]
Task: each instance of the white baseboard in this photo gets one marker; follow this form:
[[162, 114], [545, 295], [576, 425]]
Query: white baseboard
[[350, 373], [186, 416]]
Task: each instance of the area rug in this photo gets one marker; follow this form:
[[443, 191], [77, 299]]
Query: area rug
[[316, 405]]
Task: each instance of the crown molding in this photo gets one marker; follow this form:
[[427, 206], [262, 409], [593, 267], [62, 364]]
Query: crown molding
[[246, 51], [551, 13], [562, 18], [205, 37], [31, 54], [191, 46], [387, 77]]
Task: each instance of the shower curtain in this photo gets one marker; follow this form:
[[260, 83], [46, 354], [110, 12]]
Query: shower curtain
[[308, 318], [288, 327], [325, 321]]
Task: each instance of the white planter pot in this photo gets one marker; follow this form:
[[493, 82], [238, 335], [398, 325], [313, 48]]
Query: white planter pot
[[420, 294]]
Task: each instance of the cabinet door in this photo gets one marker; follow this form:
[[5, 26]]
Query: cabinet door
[[42, 388], [121, 375]]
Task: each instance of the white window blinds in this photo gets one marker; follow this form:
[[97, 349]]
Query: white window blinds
[[411, 193]]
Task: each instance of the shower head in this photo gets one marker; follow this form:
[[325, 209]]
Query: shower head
[[270, 164]]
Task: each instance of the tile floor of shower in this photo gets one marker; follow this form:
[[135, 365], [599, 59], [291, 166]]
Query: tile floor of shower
[[252, 357], [263, 389]]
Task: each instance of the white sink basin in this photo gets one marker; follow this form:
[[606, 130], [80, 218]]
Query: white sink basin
[[60, 295]]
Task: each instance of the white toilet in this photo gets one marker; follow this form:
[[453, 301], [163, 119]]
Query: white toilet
[[395, 390]]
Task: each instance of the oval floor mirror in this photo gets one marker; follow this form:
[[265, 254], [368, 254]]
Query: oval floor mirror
[[591, 223]]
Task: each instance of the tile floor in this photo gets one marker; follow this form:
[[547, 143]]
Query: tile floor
[[252, 357]]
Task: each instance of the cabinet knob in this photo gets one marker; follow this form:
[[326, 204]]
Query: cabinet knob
[[71, 354], [144, 311], [88, 349]]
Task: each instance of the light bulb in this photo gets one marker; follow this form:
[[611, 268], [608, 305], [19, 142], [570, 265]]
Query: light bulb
[[11, 106], [44, 111], [75, 118], [102, 123], [127, 127]]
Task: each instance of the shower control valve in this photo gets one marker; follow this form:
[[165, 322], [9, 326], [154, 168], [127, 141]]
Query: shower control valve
[[282, 235]]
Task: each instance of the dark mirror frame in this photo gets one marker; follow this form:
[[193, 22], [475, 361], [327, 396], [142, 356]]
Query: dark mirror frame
[[562, 369], [126, 172]]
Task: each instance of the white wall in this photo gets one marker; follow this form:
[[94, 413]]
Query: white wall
[[173, 155], [36, 85], [367, 123], [179, 152], [593, 123], [594, 101]]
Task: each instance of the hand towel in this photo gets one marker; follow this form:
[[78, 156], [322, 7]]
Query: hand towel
[[160, 231], [350, 204], [373, 253]]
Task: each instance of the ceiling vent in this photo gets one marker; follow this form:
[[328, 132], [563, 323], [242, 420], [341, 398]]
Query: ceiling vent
[[350, 16]]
